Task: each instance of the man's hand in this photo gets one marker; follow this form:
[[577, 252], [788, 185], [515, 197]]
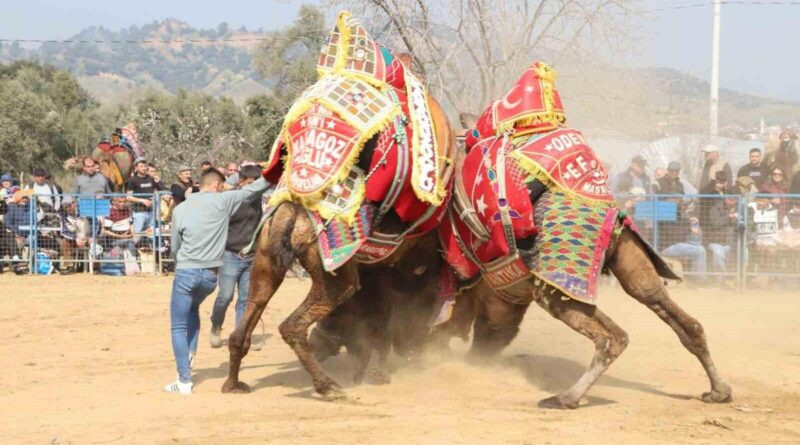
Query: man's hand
[[187, 192], [147, 202]]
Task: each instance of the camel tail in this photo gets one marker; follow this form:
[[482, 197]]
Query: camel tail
[[283, 252]]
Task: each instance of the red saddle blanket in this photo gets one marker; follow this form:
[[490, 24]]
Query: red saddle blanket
[[572, 222]]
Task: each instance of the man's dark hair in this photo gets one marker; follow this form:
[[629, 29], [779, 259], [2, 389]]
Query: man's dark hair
[[211, 175], [150, 164], [39, 171], [141, 161], [249, 172], [755, 150], [205, 164]]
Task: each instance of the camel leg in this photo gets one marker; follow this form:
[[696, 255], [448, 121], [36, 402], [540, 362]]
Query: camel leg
[[265, 278], [327, 292], [496, 323], [609, 340], [638, 277]]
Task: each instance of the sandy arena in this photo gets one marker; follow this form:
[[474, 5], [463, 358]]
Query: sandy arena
[[86, 357]]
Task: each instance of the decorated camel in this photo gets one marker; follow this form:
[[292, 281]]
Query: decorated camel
[[114, 157], [532, 220], [363, 165]]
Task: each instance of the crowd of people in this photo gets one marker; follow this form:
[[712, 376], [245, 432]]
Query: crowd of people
[[707, 220]]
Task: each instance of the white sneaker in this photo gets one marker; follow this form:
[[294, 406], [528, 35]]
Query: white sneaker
[[216, 341], [179, 387]]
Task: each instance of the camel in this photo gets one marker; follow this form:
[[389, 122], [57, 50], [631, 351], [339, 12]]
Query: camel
[[390, 311], [503, 298], [640, 272], [291, 235]]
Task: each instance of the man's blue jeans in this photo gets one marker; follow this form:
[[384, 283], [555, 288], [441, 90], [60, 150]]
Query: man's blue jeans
[[235, 272], [695, 252], [189, 288], [142, 221], [719, 257]]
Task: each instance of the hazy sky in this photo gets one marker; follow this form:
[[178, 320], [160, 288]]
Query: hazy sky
[[758, 50]]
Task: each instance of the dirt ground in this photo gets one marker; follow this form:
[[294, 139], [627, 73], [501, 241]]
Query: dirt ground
[[85, 359]]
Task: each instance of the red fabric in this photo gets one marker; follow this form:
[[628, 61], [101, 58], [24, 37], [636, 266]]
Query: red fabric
[[321, 142], [119, 214], [480, 178], [528, 97], [565, 155]]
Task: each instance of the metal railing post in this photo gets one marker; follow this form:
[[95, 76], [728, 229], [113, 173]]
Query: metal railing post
[[33, 235]]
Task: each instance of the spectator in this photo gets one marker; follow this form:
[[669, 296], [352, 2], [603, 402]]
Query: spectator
[[232, 175], [18, 217], [181, 189], [777, 185], [50, 180], [6, 182], [205, 165], [764, 220], [715, 187], [745, 185], [117, 229], [235, 270], [46, 194], [721, 234], [713, 164], [74, 235], [756, 169], [152, 170], [785, 156], [634, 180], [670, 183], [140, 189], [90, 182], [691, 249]]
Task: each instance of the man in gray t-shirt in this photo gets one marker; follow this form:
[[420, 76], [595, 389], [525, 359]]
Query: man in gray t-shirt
[[199, 232]]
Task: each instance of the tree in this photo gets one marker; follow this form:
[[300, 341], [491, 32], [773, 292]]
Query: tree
[[45, 117], [479, 47]]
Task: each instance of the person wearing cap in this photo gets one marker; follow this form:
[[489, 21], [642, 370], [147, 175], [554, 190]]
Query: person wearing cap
[[634, 179], [199, 234], [670, 183], [141, 188], [18, 217], [181, 189], [713, 164], [46, 193], [755, 169], [6, 182]]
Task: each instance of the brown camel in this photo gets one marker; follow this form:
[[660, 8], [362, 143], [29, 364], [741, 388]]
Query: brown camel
[[390, 311], [291, 235], [639, 271]]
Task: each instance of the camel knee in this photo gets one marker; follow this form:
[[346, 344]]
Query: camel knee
[[619, 342], [648, 294], [291, 333]]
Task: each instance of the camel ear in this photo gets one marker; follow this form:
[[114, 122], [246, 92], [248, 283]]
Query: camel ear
[[468, 120]]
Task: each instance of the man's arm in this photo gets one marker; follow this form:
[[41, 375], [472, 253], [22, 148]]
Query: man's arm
[[175, 235], [235, 198]]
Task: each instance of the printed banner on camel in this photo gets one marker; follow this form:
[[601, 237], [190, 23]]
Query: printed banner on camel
[[565, 157]]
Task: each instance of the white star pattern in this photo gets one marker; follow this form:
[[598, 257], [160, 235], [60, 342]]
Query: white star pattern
[[330, 124], [529, 89], [303, 173], [481, 205], [303, 123], [478, 179]]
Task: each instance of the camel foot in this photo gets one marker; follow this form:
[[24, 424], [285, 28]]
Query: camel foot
[[332, 392], [720, 395], [235, 387], [556, 402]]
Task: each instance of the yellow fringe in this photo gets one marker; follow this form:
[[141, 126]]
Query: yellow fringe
[[437, 196]]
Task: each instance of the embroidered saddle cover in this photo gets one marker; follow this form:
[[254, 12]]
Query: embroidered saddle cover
[[521, 151], [364, 97]]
